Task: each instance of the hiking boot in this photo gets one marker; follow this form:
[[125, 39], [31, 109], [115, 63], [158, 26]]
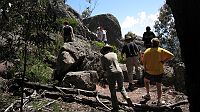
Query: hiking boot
[[130, 87], [146, 97]]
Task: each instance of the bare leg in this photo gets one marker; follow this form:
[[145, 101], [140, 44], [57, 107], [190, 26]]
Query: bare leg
[[146, 84], [159, 90]]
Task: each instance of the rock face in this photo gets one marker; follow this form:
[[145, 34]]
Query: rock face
[[187, 23], [179, 72], [82, 80], [109, 22], [65, 11], [76, 56]]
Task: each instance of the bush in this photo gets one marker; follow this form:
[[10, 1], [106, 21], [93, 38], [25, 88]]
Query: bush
[[39, 72]]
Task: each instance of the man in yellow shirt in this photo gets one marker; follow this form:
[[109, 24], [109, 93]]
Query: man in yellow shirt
[[153, 60]]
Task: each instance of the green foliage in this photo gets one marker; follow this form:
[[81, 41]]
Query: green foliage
[[165, 28], [87, 12], [99, 44], [42, 2], [54, 47], [89, 9], [39, 72], [71, 21], [38, 104], [115, 49], [32, 21], [56, 107]]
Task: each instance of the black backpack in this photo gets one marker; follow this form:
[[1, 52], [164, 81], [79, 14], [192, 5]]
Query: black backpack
[[131, 49], [67, 31]]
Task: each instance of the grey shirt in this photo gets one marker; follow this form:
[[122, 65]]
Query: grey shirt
[[110, 63]]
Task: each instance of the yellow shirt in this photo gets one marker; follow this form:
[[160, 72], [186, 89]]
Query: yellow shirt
[[152, 60]]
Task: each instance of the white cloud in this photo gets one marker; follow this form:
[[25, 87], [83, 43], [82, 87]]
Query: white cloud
[[138, 24], [129, 22]]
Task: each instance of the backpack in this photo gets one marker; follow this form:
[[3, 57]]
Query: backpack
[[131, 49], [68, 34], [147, 36], [67, 31]]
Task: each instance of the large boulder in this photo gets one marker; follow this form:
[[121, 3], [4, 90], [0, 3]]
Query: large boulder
[[110, 23], [77, 56], [81, 80]]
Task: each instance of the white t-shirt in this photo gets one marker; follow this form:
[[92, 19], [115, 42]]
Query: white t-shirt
[[102, 35]]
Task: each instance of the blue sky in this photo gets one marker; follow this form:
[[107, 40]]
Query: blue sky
[[133, 15]]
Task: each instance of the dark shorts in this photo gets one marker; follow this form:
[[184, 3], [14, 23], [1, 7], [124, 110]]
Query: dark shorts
[[153, 78]]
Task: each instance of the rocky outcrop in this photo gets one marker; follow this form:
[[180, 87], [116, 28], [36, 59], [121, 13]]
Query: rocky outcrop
[[5, 69], [81, 79], [109, 22], [77, 56], [187, 23], [62, 10], [179, 72]]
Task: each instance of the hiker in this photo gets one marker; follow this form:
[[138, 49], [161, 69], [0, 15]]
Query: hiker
[[147, 36], [131, 50], [114, 74], [101, 35], [153, 60], [68, 32]]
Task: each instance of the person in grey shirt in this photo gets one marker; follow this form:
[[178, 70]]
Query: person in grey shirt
[[114, 74], [131, 50]]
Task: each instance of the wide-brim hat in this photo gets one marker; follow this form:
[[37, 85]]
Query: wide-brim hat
[[105, 48], [128, 38]]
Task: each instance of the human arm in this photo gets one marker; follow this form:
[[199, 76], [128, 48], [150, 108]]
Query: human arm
[[72, 31], [104, 35], [166, 56], [143, 36], [122, 53]]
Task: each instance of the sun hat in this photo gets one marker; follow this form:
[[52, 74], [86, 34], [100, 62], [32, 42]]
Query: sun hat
[[107, 45], [105, 48], [128, 37]]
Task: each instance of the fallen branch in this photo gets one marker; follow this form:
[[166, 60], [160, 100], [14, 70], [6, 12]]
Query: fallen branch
[[178, 103], [63, 92], [9, 109], [97, 98], [46, 105]]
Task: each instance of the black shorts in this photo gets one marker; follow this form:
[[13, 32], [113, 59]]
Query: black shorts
[[153, 78]]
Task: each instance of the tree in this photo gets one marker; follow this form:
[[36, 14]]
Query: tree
[[88, 11], [165, 29], [24, 23]]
